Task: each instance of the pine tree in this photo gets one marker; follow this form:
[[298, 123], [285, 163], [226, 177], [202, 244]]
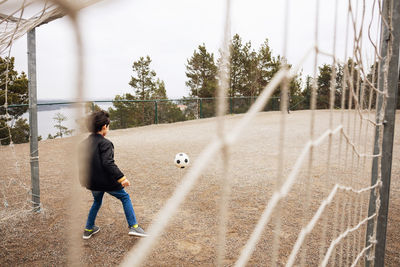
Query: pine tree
[[138, 109], [324, 86], [236, 67], [143, 80], [265, 65], [17, 94], [159, 91], [124, 113], [20, 131], [62, 130], [249, 78], [201, 72]]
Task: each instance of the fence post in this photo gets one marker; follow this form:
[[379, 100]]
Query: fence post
[[201, 108], [197, 108], [155, 112], [33, 122], [391, 13]]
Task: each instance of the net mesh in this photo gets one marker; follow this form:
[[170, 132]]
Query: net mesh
[[330, 173]]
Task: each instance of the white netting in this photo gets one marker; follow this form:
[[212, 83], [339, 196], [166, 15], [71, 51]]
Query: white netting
[[334, 193], [353, 136]]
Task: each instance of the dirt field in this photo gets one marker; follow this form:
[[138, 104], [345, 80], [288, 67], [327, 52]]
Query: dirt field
[[146, 154]]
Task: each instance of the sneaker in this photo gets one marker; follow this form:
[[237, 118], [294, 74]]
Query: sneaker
[[138, 231], [88, 233]]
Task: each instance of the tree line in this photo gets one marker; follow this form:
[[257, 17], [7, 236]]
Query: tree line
[[250, 72]]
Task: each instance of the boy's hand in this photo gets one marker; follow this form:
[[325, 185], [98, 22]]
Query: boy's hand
[[125, 183]]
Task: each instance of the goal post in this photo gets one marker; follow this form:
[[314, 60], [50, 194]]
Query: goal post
[[389, 64], [33, 120]]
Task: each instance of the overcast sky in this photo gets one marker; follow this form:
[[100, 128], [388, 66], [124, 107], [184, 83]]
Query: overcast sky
[[116, 33]]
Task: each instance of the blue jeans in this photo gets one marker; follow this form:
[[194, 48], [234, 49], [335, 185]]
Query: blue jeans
[[121, 195]]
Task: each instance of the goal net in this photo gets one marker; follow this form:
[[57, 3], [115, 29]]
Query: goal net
[[316, 181]]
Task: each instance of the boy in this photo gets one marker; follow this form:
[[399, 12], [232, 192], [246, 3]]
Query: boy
[[103, 175]]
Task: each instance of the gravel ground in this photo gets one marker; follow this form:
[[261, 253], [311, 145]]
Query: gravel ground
[[146, 154]]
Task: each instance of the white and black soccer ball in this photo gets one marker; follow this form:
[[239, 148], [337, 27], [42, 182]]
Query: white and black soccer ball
[[181, 160]]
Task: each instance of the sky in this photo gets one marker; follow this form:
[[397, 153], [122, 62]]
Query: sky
[[117, 33]]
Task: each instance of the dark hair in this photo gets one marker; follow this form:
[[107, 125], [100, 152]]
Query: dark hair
[[97, 120]]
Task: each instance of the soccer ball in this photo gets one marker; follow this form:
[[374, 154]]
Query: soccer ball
[[181, 160]]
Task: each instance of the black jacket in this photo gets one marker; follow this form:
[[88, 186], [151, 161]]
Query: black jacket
[[99, 173]]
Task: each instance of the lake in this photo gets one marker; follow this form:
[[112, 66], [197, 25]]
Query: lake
[[46, 119]]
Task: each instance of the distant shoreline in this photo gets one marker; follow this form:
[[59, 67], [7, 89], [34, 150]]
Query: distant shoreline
[[55, 104]]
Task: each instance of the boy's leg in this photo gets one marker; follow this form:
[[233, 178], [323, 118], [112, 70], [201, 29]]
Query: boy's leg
[[127, 204], [97, 200]]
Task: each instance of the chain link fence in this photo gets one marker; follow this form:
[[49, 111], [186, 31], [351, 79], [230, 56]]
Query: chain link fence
[[127, 113]]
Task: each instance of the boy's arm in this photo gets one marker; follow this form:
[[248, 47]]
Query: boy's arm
[[107, 160]]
